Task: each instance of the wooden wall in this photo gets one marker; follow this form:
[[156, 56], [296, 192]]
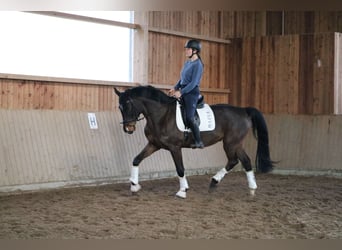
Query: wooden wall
[[237, 24], [308, 22], [166, 57], [56, 95], [220, 24], [292, 73]]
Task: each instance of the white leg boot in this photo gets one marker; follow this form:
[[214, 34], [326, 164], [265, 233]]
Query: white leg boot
[[135, 187], [183, 183], [220, 174], [251, 182]]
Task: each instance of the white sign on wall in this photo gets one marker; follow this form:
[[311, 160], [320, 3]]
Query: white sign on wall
[[92, 121]]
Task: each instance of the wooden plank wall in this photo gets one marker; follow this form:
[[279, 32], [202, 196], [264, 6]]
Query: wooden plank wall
[[221, 66], [308, 22], [237, 24], [29, 94], [193, 22], [166, 57], [219, 24], [167, 51], [291, 74]]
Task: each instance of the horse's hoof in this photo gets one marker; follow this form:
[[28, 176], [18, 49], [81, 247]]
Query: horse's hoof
[[252, 192], [135, 188], [181, 194], [213, 185]]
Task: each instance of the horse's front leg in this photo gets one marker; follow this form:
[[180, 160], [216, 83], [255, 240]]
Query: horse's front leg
[[134, 179], [183, 183]]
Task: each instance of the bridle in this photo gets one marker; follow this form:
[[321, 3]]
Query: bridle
[[136, 111]]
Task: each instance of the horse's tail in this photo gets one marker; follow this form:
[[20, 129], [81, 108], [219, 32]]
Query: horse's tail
[[263, 161]]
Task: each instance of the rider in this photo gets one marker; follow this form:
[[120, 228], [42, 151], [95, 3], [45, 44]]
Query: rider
[[187, 87]]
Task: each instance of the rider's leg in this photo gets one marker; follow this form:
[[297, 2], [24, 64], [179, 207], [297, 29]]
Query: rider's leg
[[190, 102], [196, 133]]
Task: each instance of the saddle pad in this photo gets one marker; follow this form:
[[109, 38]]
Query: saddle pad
[[206, 115]]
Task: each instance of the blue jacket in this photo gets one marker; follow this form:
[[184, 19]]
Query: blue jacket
[[190, 76]]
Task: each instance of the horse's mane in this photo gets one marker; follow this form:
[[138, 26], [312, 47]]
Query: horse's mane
[[151, 93]]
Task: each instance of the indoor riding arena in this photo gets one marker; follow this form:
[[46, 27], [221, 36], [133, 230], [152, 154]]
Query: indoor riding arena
[[65, 159]]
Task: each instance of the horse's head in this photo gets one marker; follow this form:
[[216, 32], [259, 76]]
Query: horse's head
[[129, 111]]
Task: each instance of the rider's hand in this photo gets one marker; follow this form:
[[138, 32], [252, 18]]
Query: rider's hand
[[177, 94], [171, 92]]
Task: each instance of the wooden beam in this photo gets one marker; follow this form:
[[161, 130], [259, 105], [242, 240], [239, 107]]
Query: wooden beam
[[141, 48], [338, 74], [184, 34], [85, 19], [67, 80]]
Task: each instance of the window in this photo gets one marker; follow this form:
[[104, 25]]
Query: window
[[33, 44]]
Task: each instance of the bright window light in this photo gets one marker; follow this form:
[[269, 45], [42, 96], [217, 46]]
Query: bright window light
[[33, 44]]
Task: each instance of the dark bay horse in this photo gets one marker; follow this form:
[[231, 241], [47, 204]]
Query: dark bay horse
[[232, 126]]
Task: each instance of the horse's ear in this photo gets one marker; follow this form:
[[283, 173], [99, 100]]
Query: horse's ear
[[117, 91]]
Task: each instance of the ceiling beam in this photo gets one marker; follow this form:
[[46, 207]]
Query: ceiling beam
[[85, 19]]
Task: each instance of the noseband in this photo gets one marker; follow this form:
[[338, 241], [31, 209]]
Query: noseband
[[132, 120]]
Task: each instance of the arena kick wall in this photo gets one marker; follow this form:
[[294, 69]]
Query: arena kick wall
[[50, 149], [42, 149]]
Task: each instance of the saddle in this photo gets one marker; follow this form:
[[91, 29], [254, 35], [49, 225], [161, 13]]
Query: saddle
[[204, 116]]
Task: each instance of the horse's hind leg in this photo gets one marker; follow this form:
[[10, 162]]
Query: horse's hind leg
[[232, 161], [246, 163]]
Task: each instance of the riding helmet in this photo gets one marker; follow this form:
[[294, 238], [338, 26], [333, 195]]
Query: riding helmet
[[193, 44]]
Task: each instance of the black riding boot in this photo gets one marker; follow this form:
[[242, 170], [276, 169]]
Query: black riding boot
[[196, 134]]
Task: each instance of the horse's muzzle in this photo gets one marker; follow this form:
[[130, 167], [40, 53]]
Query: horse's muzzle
[[129, 127]]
